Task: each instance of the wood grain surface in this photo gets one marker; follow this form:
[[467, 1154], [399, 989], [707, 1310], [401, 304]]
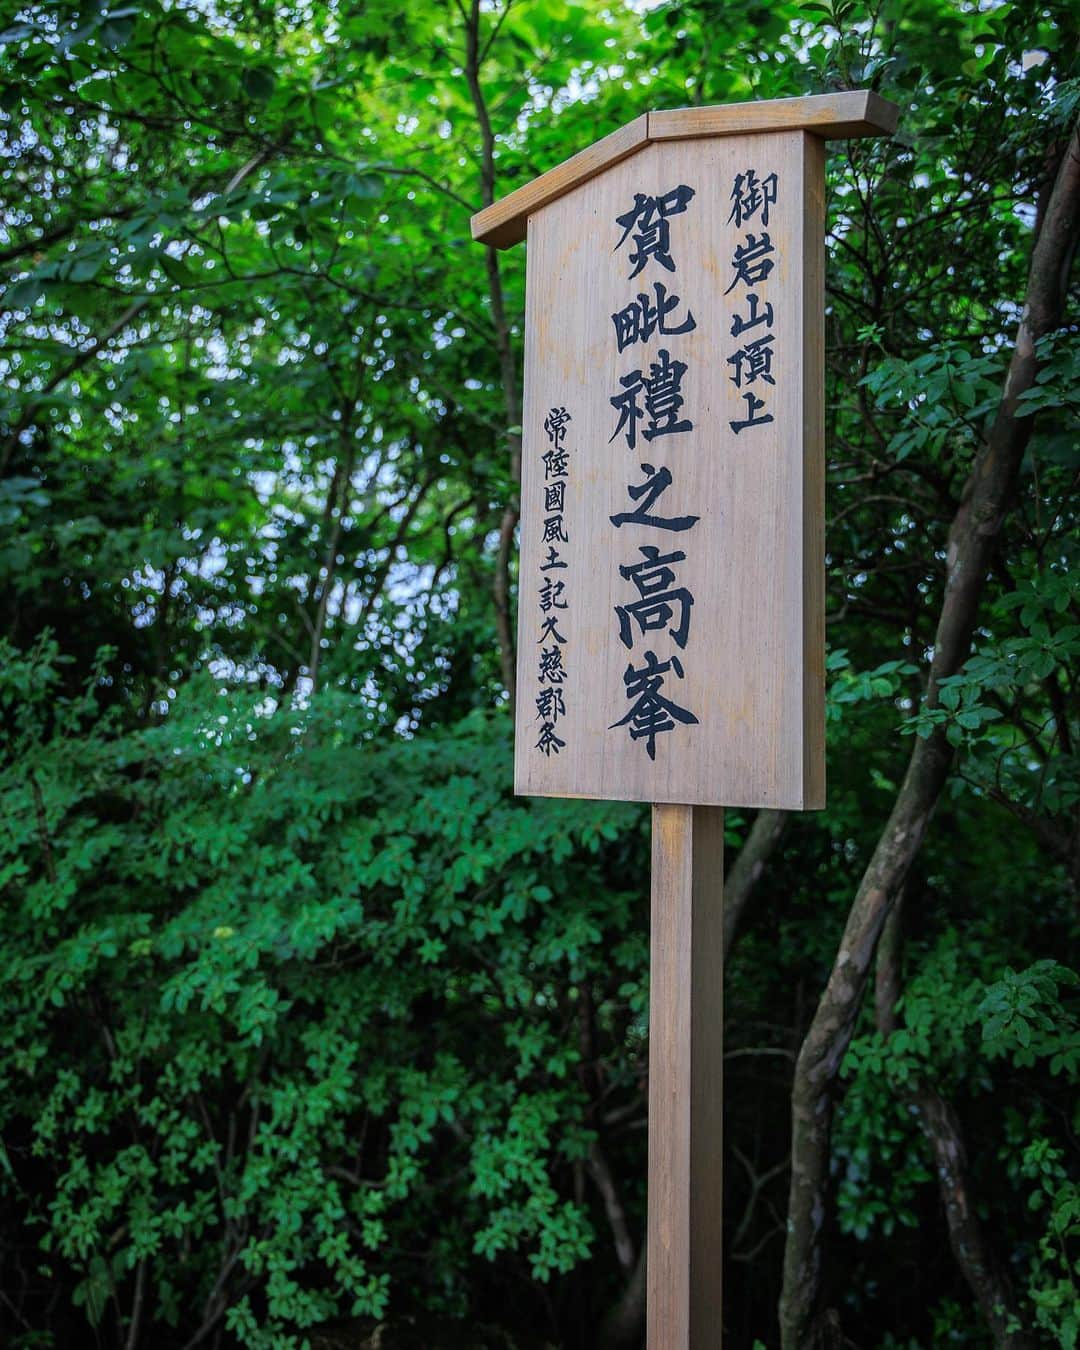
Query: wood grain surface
[[686, 1055], [753, 655], [503, 223], [850, 113]]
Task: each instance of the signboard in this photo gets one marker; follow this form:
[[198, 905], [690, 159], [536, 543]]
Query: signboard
[[671, 588], [671, 610]]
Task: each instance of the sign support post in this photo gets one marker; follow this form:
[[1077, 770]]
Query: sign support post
[[686, 1049], [671, 615]]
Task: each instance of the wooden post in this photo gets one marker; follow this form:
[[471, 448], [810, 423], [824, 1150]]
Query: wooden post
[[686, 1043]]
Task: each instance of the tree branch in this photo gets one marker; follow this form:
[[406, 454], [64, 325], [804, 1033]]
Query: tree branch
[[504, 350], [765, 834], [972, 539]]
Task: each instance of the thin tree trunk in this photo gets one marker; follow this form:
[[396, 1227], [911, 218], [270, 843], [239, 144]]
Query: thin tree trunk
[[743, 875], [137, 1306], [941, 1125], [505, 352], [972, 539], [378, 581], [42, 819], [624, 1324], [601, 1173], [333, 515], [591, 1080]]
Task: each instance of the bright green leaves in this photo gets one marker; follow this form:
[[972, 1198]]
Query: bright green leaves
[[876, 1147], [945, 395], [280, 972], [959, 710], [960, 1029], [1023, 1017], [304, 946], [1055, 400], [1054, 1279], [510, 1172], [850, 686], [26, 292], [1042, 599], [979, 708]]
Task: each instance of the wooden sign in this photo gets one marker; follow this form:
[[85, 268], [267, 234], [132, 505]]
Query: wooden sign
[[671, 588], [671, 584]]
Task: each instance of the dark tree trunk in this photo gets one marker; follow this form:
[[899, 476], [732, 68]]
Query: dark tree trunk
[[743, 875], [972, 539], [940, 1124]]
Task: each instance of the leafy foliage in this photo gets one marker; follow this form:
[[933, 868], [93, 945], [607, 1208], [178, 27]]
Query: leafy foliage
[[300, 991], [307, 1023]]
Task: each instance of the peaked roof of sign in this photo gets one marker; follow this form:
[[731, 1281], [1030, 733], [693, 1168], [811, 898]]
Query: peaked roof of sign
[[858, 112]]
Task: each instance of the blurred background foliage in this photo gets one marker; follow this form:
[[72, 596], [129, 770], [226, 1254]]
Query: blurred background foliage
[[308, 1026]]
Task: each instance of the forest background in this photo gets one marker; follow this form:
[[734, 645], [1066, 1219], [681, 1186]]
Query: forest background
[[309, 1027]]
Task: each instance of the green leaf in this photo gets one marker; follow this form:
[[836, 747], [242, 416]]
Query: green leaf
[[24, 294], [258, 83], [177, 270]]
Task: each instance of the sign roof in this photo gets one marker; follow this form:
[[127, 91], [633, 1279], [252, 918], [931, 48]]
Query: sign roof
[[858, 112]]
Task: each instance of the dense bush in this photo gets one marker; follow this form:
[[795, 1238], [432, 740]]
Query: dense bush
[[286, 1010]]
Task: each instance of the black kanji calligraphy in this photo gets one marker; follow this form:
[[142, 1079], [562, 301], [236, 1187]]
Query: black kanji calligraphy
[[754, 406], [555, 426], [549, 743], [549, 631], [650, 216], [750, 195], [551, 594], [661, 390], [751, 261], [643, 317], [660, 602], [756, 316], [652, 714], [753, 362], [628, 408], [645, 494], [556, 463], [553, 531], [554, 560], [550, 705], [551, 669]]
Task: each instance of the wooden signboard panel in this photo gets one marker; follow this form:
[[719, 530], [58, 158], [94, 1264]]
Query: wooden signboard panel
[[671, 610]]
